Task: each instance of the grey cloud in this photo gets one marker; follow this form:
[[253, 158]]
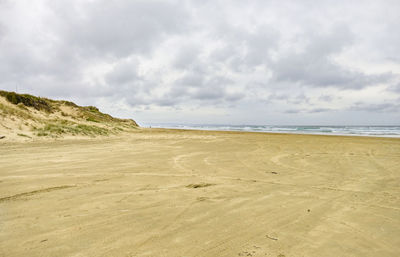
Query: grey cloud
[[301, 98], [395, 88], [123, 73], [293, 111], [312, 110], [234, 97], [194, 87], [317, 110], [381, 108], [326, 98], [52, 61], [276, 96], [315, 67], [166, 101], [243, 50], [187, 57], [289, 98], [120, 28], [2, 31], [191, 79], [259, 44], [209, 93]]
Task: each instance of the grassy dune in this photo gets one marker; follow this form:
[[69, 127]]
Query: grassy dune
[[24, 117]]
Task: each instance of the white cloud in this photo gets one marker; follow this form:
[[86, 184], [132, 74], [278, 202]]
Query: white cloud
[[210, 61]]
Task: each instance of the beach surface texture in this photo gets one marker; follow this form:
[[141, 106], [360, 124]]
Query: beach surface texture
[[158, 192]]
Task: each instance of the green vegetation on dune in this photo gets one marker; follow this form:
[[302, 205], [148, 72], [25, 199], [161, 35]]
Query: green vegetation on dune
[[68, 103], [56, 129], [94, 115], [91, 119], [7, 111], [27, 100], [53, 118]]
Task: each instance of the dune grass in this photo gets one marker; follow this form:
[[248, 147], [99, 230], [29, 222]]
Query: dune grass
[[28, 100], [19, 112], [55, 129]]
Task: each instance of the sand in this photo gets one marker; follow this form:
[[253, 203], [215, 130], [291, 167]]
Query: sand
[[197, 193]]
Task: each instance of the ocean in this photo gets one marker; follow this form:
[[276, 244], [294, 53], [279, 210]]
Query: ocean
[[380, 131]]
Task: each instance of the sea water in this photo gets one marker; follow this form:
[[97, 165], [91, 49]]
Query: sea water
[[381, 131]]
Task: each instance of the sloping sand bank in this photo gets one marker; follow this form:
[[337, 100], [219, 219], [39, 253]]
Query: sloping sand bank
[[198, 193]]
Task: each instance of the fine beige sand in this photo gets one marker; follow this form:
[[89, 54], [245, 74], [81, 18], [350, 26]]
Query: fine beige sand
[[197, 193]]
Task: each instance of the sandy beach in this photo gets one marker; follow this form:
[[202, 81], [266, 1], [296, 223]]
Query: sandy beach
[[163, 192]]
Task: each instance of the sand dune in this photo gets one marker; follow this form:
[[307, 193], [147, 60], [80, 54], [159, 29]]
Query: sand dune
[[26, 117], [197, 193]]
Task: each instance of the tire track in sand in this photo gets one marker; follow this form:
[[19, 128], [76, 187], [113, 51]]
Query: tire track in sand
[[31, 193]]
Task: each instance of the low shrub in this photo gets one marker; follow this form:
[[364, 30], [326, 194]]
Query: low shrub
[[27, 100]]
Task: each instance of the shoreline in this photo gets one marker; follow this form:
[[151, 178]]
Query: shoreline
[[141, 130], [279, 133]]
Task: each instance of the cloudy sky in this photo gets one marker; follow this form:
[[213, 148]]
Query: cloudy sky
[[209, 61]]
